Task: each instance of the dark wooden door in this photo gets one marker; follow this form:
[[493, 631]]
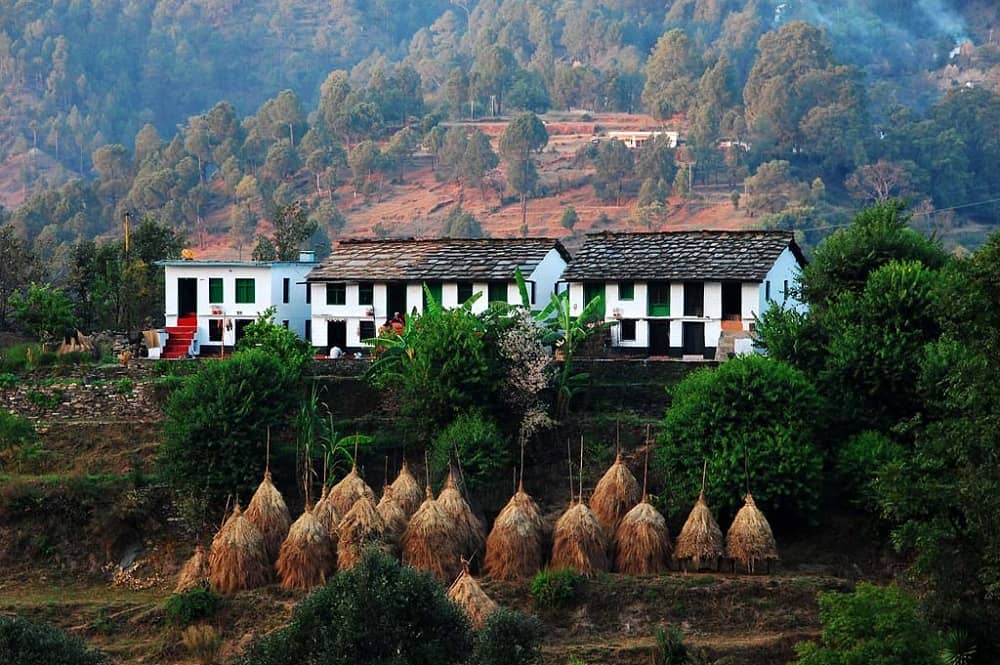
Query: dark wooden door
[[693, 339], [659, 338]]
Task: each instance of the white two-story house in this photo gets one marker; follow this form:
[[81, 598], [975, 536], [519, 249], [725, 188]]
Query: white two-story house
[[364, 283], [683, 293], [209, 303]]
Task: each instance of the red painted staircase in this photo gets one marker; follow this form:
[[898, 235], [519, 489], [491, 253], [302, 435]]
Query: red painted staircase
[[179, 337]]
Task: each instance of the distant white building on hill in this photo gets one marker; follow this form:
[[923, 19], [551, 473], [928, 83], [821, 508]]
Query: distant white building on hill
[[636, 138]]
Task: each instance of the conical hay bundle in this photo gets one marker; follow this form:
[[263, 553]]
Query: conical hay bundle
[[307, 555], [327, 515], [749, 538], [580, 542], [362, 528], [471, 531], [700, 538], [268, 512], [431, 542], [393, 517], [238, 560], [514, 549], [345, 494], [617, 492], [642, 542], [467, 594], [194, 572], [406, 491]]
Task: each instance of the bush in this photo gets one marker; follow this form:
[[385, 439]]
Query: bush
[[124, 386], [45, 311], [216, 424], [480, 446], [671, 650], [379, 612], [183, 609], [202, 642], [859, 463], [508, 638], [751, 406], [24, 642], [875, 625], [15, 431], [555, 588], [265, 334]]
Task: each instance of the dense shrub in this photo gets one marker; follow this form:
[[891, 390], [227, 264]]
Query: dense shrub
[[216, 424], [875, 625], [751, 407], [187, 607], [15, 430], [376, 613], [508, 638], [24, 642], [480, 446], [555, 587], [859, 463]]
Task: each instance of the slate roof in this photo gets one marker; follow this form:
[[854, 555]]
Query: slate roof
[[680, 255], [445, 259]]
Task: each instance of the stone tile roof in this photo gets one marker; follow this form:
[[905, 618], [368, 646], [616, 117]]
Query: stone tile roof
[[680, 255], [445, 259]]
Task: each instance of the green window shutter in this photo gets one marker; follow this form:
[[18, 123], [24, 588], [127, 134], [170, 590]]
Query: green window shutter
[[591, 291], [658, 294], [215, 293], [246, 291], [497, 292], [626, 290]]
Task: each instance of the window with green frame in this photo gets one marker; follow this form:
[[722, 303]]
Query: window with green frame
[[497, 292], [246, 290], [336, 293], [626, 290], [216, 295], [658, 299]]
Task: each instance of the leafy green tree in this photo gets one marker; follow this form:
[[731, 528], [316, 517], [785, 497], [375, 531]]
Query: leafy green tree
[[267, 335], [569, 218], [478, 159], [216, 425], [402, 145], [292, 227], [493, 72], [880, 625], [479, 446], [45, 311], [523, 136], [655, 160], [23, 642], [613, 165], [461, 224], [377, 612], [509, 637], [671, 83], [17, 268], [752, 416]]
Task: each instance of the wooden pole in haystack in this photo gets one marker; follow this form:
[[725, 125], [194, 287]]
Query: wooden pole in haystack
[[467, 594], [431, 541], [268, 512], [701, 538], [361, 528], [346, 493], [238, 560], [514, 549], [194, 571], [471, 530], [327, 515], [406, 491], [750, 538], [642, 541], [393, 517], [307, 555], [579, 540]]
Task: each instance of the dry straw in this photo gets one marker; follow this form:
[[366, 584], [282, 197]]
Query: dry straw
[[514, 549], [406, 491], [307, 555], [750, 539], [580, 542], [700, 540], [472, 534], [617, 492], [327, 515], [194, 571], [362, 528], [237, 560], [268, 512], [393, 517], [467, 594], [346, 493], [431, 541], [642, 541]]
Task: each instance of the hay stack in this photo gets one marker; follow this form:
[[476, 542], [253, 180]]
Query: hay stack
[[431, 541], [616, 493], [327, 515], [268, 512], [194, 572], [467, 594], [362, 528], [580, 542], [306, 556], [346, 493], [700, 539], [642, 542], [393, 517], [472, 533], [514, 548], [749, 538], [238, 559], [406, 491]]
